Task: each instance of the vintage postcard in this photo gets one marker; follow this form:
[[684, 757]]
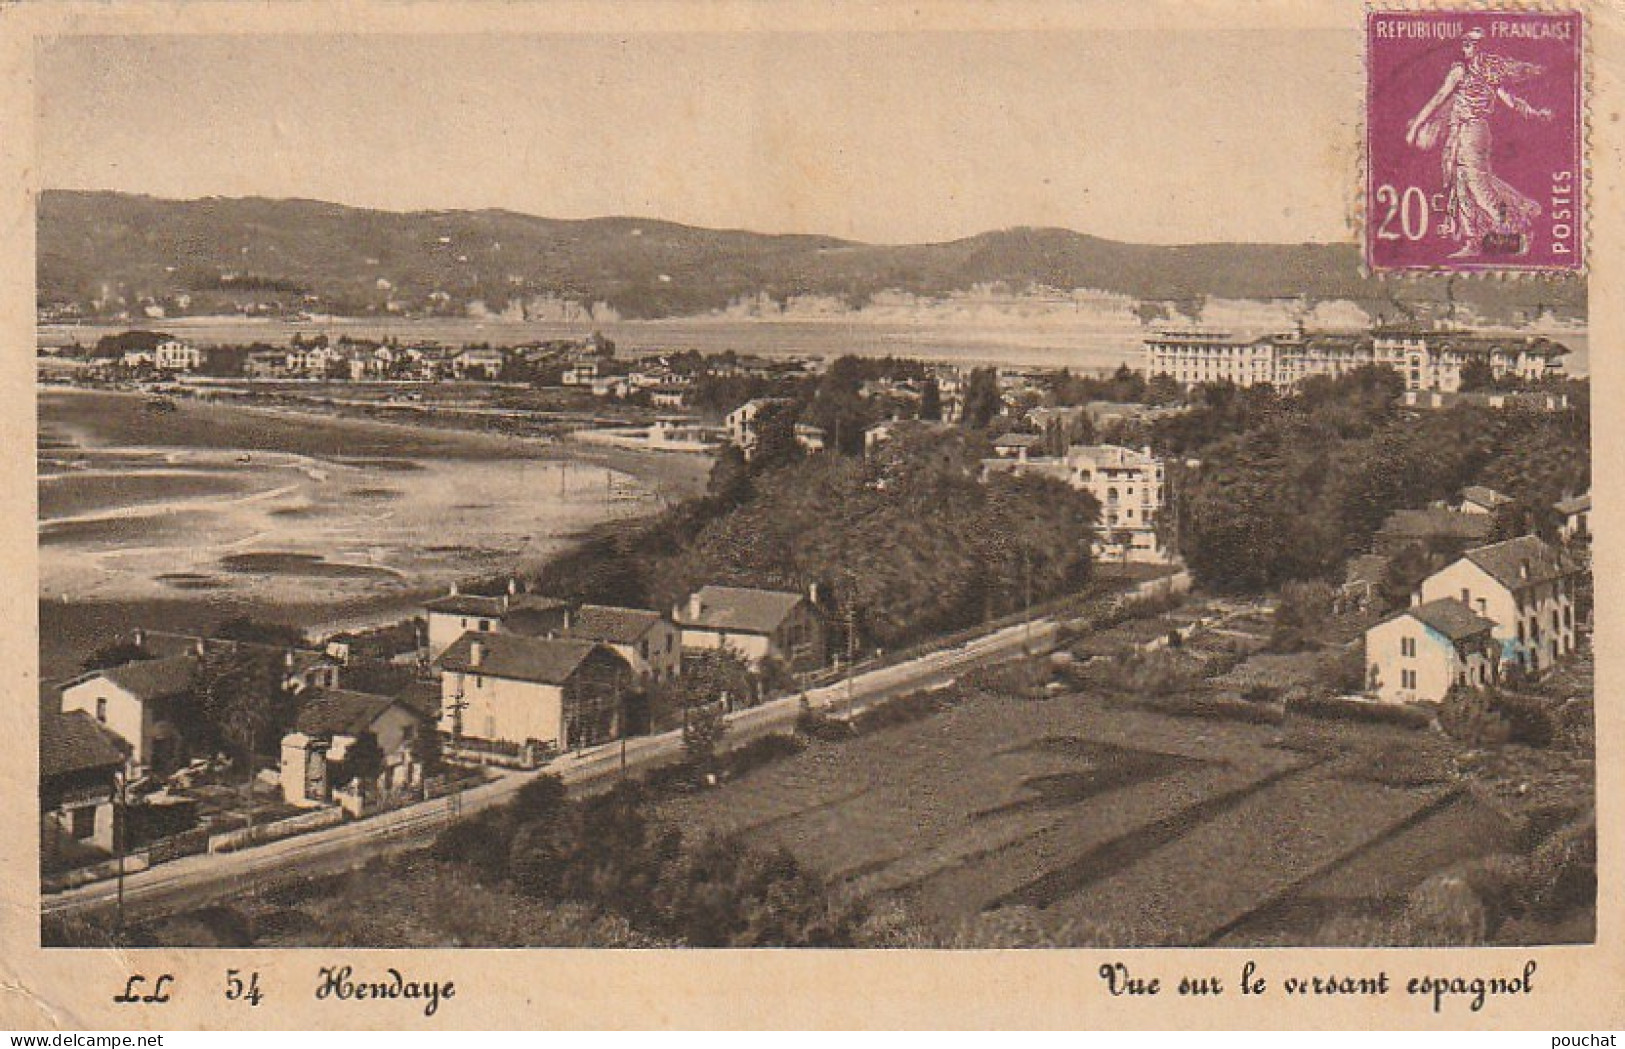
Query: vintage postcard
[[1040, 514]]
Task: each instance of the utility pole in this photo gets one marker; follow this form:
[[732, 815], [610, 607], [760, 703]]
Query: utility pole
[[620, 699], [851, 647], [1027, 601], [120, 819], [458, 705]]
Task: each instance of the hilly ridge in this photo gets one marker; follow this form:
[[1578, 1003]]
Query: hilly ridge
[[103, 251]]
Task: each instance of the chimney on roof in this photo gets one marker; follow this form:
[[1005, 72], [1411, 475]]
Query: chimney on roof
[[287, 659], [695, 605], [1523, 569], [198, 647], [139, 637], [513, 586], [812, 592], [454, 588], [476, 653]]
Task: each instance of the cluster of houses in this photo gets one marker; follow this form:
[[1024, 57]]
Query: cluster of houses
[[511, 678], [1493, 607], [522, 670], [589, 363]]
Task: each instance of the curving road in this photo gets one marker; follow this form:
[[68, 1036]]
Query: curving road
[[207, 878]]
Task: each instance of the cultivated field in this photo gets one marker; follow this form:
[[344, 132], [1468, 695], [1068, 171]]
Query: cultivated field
[[1121, 826]]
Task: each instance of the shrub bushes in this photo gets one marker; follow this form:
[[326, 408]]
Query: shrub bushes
[[817, 725], [1577, 726], [1311, 705], [1563, 869], [1229, 707], [1486, 717], [1559, 876], [761, 751], [601, 852]]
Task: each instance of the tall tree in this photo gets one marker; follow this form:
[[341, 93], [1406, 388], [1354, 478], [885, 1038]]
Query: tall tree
[[982, 399], [931, 401]]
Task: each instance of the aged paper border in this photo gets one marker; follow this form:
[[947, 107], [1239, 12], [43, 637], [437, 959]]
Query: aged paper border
[[1575, 988]]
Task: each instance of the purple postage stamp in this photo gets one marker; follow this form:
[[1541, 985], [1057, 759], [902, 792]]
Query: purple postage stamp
[[1474, 139]]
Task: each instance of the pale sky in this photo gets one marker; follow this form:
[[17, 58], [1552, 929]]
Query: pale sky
[[1182, 136]]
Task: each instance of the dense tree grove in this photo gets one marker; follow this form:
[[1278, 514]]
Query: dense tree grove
[[908, 542], [604, 852], [1290, 487]]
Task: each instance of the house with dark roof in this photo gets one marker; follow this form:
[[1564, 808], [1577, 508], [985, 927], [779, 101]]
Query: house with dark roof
[[1435, 529], [1480, 499], [516, 612], [1363, 580], [141, 702], [1420, 653], [301, 668], [649, 642], [758, 624], [1525, 587], [339, 714], [1019, 445], [329, 723], [548, 693], [79, 762]]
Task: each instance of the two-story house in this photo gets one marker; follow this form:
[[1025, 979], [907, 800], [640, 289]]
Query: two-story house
[[329, 723], [452, 616], [743, 424], [649, 642], [79, 764], [140, 703], [1420, 653], [758, 624], [550, 692], [1525, 587]]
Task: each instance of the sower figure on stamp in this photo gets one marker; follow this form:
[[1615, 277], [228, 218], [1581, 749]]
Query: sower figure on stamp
[[1477, 202]]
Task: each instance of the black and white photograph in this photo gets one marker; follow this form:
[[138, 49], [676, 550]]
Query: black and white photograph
[[862, 489]]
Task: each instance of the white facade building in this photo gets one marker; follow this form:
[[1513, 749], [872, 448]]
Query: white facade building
[[1525, 587], [1130, 485], [1419, 654], [1428, 360]]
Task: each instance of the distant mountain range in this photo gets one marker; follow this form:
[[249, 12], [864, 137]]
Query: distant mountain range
[[103, 253]]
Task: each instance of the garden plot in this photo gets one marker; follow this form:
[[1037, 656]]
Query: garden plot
[[1375, 882], [1229, 861], [956, 810]]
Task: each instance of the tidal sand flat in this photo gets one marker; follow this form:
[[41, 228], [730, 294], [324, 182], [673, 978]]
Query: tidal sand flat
[[224, 504]]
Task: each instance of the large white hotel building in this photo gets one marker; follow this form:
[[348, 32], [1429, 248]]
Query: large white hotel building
[[1428, 360]]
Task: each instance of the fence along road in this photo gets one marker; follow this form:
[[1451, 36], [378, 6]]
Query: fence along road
[[207, 878]]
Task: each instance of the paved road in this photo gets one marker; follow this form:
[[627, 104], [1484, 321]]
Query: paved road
[[197, 880]]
